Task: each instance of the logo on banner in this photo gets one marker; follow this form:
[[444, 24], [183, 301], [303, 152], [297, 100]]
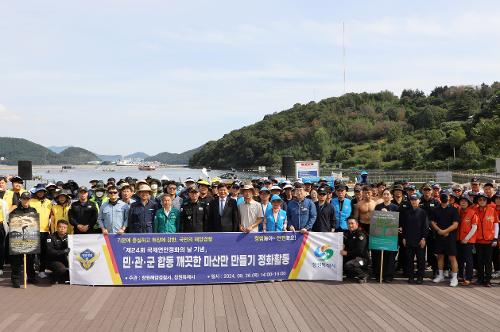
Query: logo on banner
[[87, 259], [324, 252]]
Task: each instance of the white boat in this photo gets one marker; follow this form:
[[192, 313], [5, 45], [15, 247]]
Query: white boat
[[126, 162], [147, 167]]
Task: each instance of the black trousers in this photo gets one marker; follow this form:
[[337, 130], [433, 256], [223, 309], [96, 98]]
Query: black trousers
[[402, 256], [431, 257], [420, 254], [43, 251], [16, 263], [59, 270], [465, 260], [357, 268], [496, 258], [484, 252], [389, 264], [2, 246]]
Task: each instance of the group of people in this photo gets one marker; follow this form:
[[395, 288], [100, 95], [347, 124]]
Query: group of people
[[455, 230]]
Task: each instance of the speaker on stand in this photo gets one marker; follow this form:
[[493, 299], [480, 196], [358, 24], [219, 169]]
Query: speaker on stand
[[25, 171], [288, 166]]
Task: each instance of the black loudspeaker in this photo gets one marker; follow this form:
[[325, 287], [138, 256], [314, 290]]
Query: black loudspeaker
[[288, 166], [24, 169]]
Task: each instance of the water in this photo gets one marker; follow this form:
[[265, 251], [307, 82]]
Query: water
[[83, 174]]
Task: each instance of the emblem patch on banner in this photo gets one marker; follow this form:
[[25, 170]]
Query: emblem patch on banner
[[324, 252], [87, 259]]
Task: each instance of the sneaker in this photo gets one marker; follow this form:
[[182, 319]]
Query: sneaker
[[42, 275], [362, 280], [420, 281], [446, 274], [454, 282], [439, 278], [411, 280], [1, 273], [16, 285], [495, 274]]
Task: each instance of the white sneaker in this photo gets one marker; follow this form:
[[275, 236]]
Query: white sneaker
[[439, 278], [454, 282], [446, 274], [42, 275], [495, 274], [1, 273]]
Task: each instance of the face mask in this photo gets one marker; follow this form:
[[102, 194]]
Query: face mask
[[154, 186], [99, 194]]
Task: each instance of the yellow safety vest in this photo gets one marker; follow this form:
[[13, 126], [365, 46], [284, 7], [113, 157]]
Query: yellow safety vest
[[9, 196], [60, 212], [43, 208]]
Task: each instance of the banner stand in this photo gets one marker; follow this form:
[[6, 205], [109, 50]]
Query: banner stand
[[381, 265], [24, 273]]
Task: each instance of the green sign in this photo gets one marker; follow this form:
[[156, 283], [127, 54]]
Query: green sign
[[384, 231]]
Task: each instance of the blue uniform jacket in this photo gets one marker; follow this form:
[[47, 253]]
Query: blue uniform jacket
[[341, 215], [140, 217], [301, 214]]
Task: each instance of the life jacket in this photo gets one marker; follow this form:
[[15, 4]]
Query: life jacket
[[342, 215], [60, 212], [275, 225], [487, 218], [44, 208], [468, 217]]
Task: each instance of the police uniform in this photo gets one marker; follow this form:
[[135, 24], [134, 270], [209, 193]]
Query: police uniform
[[57, 256], [193, 217], [357, 260]]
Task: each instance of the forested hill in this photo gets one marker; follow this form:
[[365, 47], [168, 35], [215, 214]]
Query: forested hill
[[372, 130]]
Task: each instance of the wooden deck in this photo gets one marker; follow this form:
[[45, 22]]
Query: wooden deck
[[279, 306]]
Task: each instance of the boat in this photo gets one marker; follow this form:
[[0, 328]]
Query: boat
[[126, 162], [147, 167]]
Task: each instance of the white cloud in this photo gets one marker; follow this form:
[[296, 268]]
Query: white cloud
[[7, 115]]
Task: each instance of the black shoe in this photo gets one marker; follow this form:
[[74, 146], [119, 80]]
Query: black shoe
[[362, 280], [16, 285], [411, 281], [420, 281], [387, 281]]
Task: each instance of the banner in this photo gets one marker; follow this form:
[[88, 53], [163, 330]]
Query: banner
[[308, 168], [24, 233], [203, 258], [384, 231]]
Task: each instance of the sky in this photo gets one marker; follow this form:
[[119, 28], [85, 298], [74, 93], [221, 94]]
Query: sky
[[117, 77]]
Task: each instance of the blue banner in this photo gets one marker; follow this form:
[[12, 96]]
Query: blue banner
[[202, 258]]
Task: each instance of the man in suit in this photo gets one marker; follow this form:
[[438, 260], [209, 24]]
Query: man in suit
[[223, 215]]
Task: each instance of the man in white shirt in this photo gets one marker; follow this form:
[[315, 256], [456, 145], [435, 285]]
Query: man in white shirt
[[250, 212]]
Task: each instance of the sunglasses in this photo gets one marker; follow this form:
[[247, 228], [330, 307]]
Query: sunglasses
[[457, 190], [172, 188], [112, 192], [322, 194]]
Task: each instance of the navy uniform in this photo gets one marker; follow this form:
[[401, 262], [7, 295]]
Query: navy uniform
[[429, 206], [194, 217], [57, 257], [357, 260]]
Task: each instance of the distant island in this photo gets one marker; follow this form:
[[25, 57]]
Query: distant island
[[13, 149], [454, 127]]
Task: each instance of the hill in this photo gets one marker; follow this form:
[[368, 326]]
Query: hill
[[109, 158], [454, 127], [174, 158], [14, 149], [58, 149], [74, 155], [137, 155]]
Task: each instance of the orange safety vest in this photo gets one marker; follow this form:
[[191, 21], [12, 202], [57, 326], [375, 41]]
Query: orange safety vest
[[487, 218], [468, 217]]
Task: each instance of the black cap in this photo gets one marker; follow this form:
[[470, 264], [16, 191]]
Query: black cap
[[341, 186], [193, 189], [298, 185], [414, 197], [322, 191], [474, 179], [83, 188], [17, 179], [397, 187], [25, 195]]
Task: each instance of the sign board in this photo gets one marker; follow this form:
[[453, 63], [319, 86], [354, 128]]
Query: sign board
[[24, 233], [444, 177], [203, 258], [384, 231], [306, 168]]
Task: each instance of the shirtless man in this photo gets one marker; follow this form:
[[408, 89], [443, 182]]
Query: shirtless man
[[364, 209]]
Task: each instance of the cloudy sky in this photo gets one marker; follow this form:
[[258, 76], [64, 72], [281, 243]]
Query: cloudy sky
[[121, 76]]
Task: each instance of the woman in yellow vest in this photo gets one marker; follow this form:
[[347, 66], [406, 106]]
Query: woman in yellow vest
[[12, 197], [60, 210], [43, 206]]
